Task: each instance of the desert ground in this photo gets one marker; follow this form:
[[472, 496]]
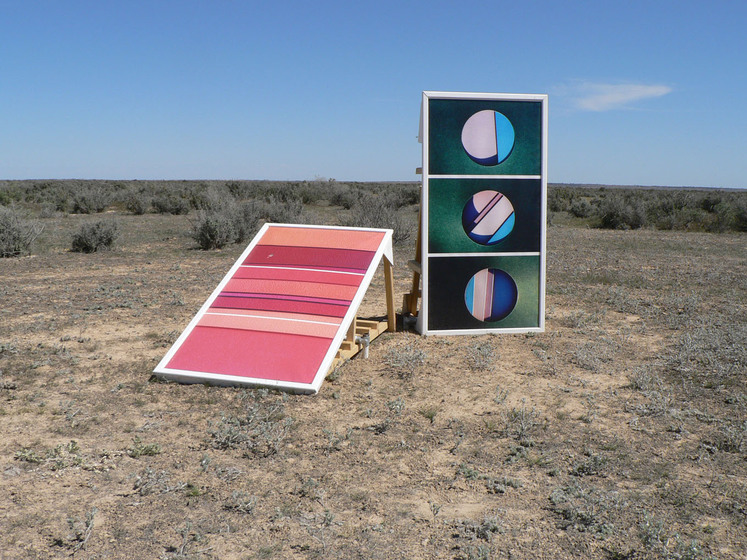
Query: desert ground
[[620, 432]]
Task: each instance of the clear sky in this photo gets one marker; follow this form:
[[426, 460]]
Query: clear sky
[[641, 92]]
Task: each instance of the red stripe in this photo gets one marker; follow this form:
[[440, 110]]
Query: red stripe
[[278, 356], [299, 275], [312, 308], [290, 288], [333, 259]]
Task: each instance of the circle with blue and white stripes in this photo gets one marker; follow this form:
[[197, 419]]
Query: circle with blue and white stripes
[[488, 217], [488, 137], [491, 295]]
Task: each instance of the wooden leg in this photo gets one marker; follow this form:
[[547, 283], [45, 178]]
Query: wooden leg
[[389, 287], [415, 289]]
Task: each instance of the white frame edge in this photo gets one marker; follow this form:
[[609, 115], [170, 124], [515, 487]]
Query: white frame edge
[[543, 98]]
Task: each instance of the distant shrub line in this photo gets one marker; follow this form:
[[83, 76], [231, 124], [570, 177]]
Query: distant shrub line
[[221, 213], [663, 209]]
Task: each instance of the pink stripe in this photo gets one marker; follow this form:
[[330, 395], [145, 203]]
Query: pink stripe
[[489, 295], [287, 297], [488, 208]]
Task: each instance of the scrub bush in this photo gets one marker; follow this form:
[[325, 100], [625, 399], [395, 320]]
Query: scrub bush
[[229, 222], [279, 210], [16, 233], [170, 203], [137, 202], [380, 211], [621, 212], [213, 229], [95, 236], [90, 200]]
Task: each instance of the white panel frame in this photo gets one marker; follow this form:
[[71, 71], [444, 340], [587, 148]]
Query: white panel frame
[[385, 250], [422, 319]]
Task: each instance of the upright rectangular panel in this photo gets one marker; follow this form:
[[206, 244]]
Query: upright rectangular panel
[[484, 212], [280, 314]]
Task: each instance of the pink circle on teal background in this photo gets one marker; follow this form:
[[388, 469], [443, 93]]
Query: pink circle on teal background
[[488, 137]]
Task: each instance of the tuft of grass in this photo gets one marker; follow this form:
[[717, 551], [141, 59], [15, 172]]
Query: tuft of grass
[[260, 429], [140, 449], [404, 359], [241, 502], [482, 356], [429, 412], [521, 422]]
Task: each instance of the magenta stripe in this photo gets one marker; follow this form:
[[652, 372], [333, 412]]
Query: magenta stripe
[[286, 297]]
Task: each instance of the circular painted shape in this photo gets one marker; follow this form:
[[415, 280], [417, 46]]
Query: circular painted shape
[[488, 217], [491, 295], [488, 137]]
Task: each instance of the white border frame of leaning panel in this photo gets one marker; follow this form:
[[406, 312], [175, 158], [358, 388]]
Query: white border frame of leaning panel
[[422, 320], [186, 376]]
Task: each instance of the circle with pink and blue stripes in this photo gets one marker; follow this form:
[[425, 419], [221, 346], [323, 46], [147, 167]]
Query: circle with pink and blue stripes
[[491, 295], [488, 217], [488, 137]]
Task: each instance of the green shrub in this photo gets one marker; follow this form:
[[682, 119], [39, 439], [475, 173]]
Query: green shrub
[[379, 211], [137, 202], [95, 236], [246, 220], [281, 210], [211, 198], [170, 203], [581, 208], [214, 228], [621, 212], [90, 200], [16, 233]]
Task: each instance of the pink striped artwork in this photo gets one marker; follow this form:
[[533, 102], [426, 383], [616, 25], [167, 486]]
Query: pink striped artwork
[[279, 315]]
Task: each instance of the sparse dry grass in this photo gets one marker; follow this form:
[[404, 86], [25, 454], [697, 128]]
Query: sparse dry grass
[[619, 433]]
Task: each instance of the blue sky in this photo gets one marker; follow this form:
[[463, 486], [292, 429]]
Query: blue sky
[[649, 93]]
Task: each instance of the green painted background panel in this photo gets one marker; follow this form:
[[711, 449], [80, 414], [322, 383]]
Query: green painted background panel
[[448, 278], [446, 155], [446, 200]]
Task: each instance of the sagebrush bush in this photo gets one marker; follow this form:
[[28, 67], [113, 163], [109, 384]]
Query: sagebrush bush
[[213, 229], [621, 212], [229, 222], [581, 208], [95, 236], [170, 203], [16, 233], [212, 198], [247, 218], [379, 211], [137, 202], [90, 200], [279, 210]]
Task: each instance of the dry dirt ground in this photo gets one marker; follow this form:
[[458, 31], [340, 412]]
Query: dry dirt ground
[[620, 432]]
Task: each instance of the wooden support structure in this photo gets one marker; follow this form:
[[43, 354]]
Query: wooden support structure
[[363, 331], [410, 300]]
